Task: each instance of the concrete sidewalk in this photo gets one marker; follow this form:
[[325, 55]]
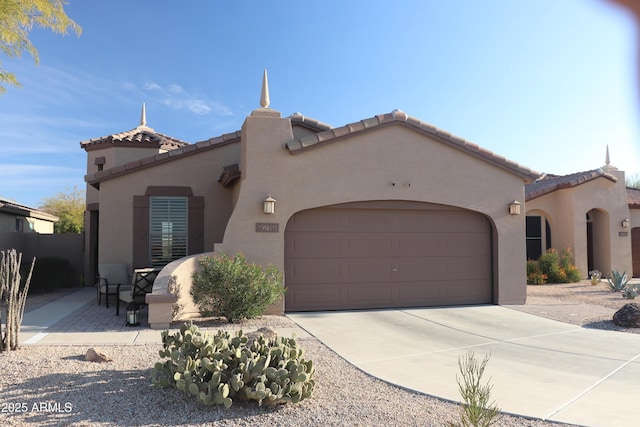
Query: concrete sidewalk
[[77, 319], [540, 368]]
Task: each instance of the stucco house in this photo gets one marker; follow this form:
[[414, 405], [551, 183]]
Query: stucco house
[[385, 212], [15, 217]]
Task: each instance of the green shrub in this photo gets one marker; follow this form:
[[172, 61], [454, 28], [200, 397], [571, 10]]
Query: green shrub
[[553, 267], [217, 369], [231, 287], [477, 409], [534, 275], [571, 272]]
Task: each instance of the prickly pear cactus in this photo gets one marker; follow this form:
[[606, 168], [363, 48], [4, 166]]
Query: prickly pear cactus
[[219, 368]]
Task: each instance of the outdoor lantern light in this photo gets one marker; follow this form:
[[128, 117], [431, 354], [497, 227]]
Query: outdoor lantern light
[[514, 207], [269, 205], [132, 314], [626, 223]]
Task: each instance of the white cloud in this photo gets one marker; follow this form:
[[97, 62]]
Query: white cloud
[[176, 97]]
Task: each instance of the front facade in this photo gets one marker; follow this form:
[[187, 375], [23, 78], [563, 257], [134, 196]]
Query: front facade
[[385, 212]]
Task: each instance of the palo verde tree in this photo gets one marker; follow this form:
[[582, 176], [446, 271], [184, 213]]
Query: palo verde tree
[[69, 207], [18, 18]]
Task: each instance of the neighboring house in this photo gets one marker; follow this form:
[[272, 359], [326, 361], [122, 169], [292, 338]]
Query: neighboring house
[[386, 212], [587, 212], [23, 219]]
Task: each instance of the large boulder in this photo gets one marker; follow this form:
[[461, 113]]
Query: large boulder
[[628, 316]]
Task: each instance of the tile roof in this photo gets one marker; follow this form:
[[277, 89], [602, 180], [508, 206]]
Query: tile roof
[[185, 150], [633, 197], [329, 135], [135, 137], [17, 209], [549, 183], [309, 123]]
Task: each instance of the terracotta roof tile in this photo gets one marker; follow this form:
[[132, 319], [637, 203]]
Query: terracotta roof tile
[[549, 183], [315, 125], [311, 141], [185, 150], [633, 197], [141, 135]]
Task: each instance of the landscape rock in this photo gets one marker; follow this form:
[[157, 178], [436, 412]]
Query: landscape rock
[[97, 356], [267, 333], [628, 316]]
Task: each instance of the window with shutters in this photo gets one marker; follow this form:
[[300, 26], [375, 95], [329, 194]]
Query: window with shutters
[[167, 229]]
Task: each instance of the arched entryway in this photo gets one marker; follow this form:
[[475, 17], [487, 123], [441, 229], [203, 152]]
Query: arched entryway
[[387, 254], [598, 241]]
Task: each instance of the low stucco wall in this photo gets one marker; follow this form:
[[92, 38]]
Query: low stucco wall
[[171, 298]]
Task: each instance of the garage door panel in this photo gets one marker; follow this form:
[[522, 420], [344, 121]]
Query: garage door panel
[[311, 297], [316, 220], [364, 295], [356, 220], [379, 258], [304, 271], [365, 270], [311, 245], [358, 245]]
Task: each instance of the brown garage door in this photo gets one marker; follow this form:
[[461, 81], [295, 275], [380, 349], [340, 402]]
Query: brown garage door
[[635, 251], [386, 254]]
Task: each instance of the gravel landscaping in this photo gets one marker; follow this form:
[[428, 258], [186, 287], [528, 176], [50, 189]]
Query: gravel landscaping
[[55, 386]]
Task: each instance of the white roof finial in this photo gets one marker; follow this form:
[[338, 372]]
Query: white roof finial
[[264, 98], [143, 116], [606, 161]]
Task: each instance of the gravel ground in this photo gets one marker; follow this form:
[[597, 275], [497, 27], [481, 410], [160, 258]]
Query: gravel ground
[[54, 386]]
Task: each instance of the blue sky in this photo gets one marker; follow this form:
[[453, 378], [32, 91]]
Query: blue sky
[[545, 83]]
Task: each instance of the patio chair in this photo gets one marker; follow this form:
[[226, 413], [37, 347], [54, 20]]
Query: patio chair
[[110, 278], [142, 284]]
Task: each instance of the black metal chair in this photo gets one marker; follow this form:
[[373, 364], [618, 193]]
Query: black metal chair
[[142, 284], [111, 278]]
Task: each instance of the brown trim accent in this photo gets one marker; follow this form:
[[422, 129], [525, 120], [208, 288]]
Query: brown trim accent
[[93, 206], [168, 191], [195, 222], [195, 225], [99, 160], [140, 257], [230, 174]]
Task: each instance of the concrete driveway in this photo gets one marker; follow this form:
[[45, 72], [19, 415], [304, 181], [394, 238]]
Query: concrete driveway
[[540, 368]]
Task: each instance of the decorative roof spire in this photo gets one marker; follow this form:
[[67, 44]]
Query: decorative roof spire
[[607, 161], [264, 97], [143, 116]]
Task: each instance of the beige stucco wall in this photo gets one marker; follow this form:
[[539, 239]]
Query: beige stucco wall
[[200, 172], [362, 167], [567, 210]]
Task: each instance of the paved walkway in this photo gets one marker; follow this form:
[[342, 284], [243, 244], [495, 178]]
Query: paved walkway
[[77, 319]]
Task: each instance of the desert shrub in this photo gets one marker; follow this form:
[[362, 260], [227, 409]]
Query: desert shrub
[[631, 291], [477, 408], [233, 288], [216, 369], [617, 281], [566, 264], [553, 267], [534, 275]]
